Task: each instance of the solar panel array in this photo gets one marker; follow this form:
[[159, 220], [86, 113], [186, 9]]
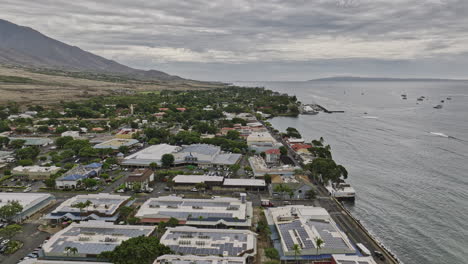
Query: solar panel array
[[298, 229], [208, 243], [325, 230]]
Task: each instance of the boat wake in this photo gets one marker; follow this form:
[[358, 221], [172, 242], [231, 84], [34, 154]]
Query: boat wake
[[370, 117], [439, 134]]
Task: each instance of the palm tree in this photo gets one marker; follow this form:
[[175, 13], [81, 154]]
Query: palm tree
[[71, 250], [297, 251], [318, 242], [81, 206]]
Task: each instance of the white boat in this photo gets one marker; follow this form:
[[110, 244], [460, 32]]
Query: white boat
[[438, 106], [308, 110], [341, 191]]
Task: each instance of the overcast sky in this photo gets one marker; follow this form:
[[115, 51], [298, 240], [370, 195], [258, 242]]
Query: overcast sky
[[264, 39]]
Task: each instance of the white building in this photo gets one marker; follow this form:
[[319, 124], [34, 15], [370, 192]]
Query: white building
[[104, 207], [262, 141], [211, 242], [90, 239], [72, 178], [260, 168], [31, 202], [218, 212], [203, 155], [73, 134], [35, 172], [303, 225], [192, 259]]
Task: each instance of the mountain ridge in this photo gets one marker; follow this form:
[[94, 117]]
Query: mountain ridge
[[27, 47], [381, 79]]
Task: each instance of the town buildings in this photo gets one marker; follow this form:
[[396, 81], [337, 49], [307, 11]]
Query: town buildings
[[116, 143], [261, 141]]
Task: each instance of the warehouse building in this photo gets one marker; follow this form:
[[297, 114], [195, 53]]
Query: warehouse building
[[31, 202]]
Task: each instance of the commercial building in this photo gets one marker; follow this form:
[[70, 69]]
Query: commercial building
[[303, 225], [192, 259], [140, 177], [244, 185], [103, 207], [186, 182], [35, 172], [187, 240], [90, 239], [116, 143], [218, 212], [261, 141], [203, 155], [260, 167], [5, 156], [31, 202], [272, 156], [73, 178]]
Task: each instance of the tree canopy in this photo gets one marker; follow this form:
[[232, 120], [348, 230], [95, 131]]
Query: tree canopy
[[138, 250]]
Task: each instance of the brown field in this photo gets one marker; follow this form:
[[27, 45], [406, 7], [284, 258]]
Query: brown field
[[51, 89]]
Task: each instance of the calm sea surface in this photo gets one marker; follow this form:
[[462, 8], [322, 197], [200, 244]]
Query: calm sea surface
[[411, 184]]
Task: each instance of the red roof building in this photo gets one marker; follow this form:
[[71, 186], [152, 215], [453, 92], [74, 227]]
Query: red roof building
[[181, 109], [299, 146]]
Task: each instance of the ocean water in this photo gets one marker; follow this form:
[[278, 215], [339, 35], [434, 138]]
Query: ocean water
[[408, 162]]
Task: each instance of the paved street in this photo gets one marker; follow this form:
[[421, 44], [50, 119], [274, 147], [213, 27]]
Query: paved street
[[31, 238]]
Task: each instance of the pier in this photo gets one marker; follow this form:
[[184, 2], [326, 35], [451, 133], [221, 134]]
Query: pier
[[328, 111]]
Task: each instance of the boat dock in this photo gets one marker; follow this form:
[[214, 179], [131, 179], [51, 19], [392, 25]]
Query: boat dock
[[328, 111]]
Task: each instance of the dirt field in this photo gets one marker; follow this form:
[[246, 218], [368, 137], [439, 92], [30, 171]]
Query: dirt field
[[50, 89]]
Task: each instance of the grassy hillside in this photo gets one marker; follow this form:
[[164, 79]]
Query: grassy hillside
[[45, 87]]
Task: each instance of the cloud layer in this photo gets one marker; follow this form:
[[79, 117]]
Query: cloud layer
[[166, 33]]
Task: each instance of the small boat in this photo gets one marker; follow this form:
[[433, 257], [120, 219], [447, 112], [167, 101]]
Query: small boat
[[438, 106], [449, 98], [441, 101]]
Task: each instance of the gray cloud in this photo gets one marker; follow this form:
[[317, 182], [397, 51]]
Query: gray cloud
[[217, 35]]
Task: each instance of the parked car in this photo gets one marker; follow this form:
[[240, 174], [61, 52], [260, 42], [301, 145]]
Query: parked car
[[194, 190]]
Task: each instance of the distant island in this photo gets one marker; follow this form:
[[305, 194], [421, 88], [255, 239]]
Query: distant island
[[382, 79]]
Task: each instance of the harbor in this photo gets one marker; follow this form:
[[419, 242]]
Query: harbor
[[313, 109]]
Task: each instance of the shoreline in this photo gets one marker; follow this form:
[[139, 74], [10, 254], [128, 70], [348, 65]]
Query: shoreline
[[390, 257]]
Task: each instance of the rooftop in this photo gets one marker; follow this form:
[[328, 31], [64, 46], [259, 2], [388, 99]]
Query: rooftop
[[139, 175], [346, 259], [32, 141], [80, 172], [27, 169], [92, 238], [244, 182], [302, 225], [193, 179], [222, 210], [192, 259], [102, 204], [27, 200], [116, 143], [220, 242], [196, 153]]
